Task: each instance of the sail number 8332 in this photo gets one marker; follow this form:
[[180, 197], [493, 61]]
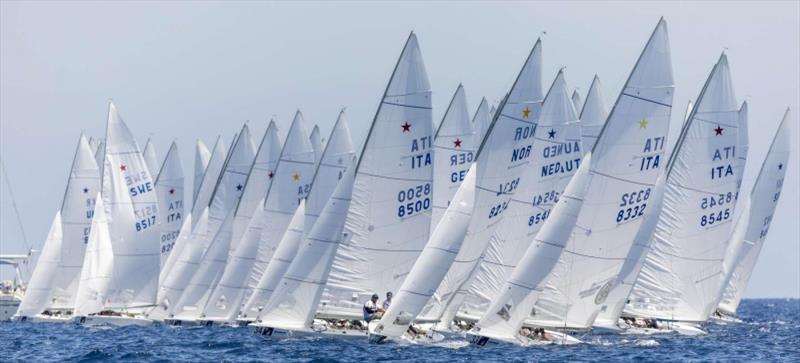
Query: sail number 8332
[[414, 200], [633, 204]]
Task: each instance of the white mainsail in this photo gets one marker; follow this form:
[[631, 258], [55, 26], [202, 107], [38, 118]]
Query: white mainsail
[[77, 210], [432, 264], [757, 217], [336, 158], [221, 212], [576, 100], [131, 203], [557, 156], [169, 187], [506, 151], [593, 115], [681, 275], [210, 177], [389, 219], [454, 149], [98, 265], [289, 185], [99, 154], [482, 119], [201, 158], [585, 222], [151, 158]]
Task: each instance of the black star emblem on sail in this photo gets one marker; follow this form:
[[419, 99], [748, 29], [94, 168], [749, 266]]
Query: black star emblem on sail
[[551, 134], [718, 130], [239, 187], [85, 190], [780, 166], [406, 127]]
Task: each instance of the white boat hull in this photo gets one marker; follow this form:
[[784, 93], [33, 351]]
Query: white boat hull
[[110, 320], [553, 337], [268, 332], [37, 319]]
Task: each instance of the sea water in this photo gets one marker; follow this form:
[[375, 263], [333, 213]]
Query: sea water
[[770, 331]]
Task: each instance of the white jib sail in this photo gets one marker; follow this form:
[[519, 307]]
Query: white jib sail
[[454, 148], [99, 154], [130, 199], [433, 262], [758, 216], [289, 185], [576, 100], [40, 285], [593, 116], [586, 219], [169, 187], [210, 177], [221, 213], [201, 158], [98, 265], [389, 219], [482, 119], [505, 152], [294, 302], [77, 210], [151, 158], [681, 275], [336, 158], [557, 156]]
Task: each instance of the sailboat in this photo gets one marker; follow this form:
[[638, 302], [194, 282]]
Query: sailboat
[[288, 186], [567, 270], [506, 151], [121, 265], [336, 157], [681, 275], [454, 147], [221, 216], [365, 239], [169, 187], [557, 157], [50, 294], [754, 223]]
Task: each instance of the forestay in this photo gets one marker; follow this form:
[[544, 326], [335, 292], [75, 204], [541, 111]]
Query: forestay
[[389, 219], [336, 158], [454, 148], [557, 155], [757, 217], [169, 187], [584, 224], [681, 276], [506, 151]]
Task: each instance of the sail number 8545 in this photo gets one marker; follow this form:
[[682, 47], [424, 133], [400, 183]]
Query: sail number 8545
[[414, 200]]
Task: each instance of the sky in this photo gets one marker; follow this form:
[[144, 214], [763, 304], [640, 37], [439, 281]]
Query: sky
[[193, 70]]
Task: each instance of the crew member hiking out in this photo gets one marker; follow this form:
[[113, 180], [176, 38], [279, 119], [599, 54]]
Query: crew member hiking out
[[371, 310]]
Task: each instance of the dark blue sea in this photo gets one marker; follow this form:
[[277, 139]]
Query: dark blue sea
[[770, 331]]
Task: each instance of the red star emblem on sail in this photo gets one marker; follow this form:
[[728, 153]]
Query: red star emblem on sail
[[122, 167], [718, 130], [406, 127], [457, 143]]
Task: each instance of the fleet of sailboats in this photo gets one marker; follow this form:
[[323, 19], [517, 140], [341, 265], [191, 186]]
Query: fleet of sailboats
[[525, 223]]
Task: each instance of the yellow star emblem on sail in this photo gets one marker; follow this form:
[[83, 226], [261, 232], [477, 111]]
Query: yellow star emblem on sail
[[296, 176], [643, 124], [526, 112]]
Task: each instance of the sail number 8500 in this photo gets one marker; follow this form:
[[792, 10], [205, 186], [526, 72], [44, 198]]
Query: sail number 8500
[[414, 200]]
